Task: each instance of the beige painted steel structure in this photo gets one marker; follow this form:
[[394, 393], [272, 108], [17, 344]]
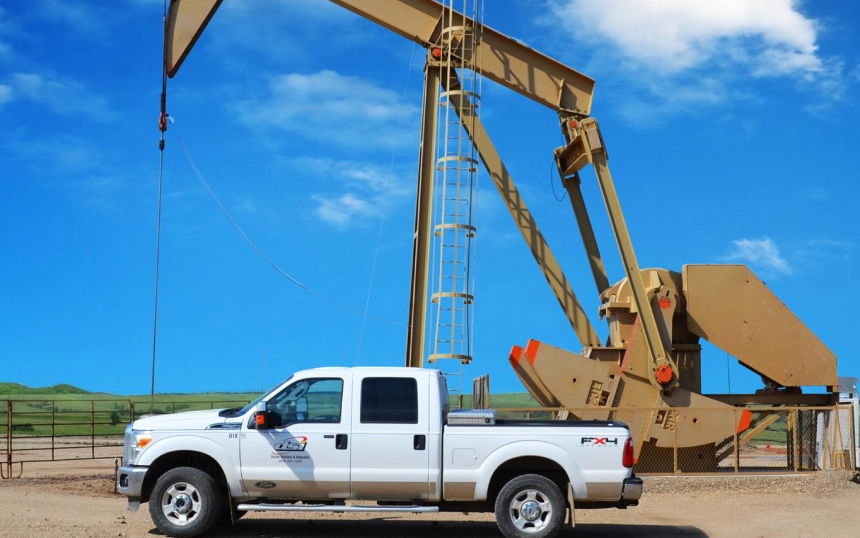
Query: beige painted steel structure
[[651, 359], [503, 59], [423, 235]]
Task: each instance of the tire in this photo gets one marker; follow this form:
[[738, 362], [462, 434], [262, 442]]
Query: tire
[[185, 502], [530, 506]]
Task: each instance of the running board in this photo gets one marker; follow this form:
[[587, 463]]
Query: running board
[[334, 508]]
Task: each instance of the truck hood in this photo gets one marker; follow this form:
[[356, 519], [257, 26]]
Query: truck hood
[[188, 420]]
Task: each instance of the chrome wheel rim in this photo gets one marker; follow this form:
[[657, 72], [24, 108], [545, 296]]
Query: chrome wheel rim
[[181, 504], [530, 511]]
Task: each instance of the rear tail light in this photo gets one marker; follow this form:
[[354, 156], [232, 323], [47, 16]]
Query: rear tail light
[[627, 457]]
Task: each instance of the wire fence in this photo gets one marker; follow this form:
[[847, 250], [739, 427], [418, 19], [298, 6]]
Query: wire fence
[[34, 431], [777, 439]]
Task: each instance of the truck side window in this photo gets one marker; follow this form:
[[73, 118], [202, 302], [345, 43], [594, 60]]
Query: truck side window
[[389, 400], [309, 400]]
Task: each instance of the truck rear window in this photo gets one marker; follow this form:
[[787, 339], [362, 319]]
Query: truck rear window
[[389, 400]]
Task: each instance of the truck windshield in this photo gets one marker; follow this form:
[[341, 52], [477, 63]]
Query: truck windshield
[[239, 412]]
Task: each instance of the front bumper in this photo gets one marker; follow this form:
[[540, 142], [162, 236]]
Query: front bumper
[[632, 491], [129, 482]]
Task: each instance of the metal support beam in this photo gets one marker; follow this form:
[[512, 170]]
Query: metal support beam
[[777, 399], [423, 236], [571, 184], [589, 134], [496, 56], [525, 221]]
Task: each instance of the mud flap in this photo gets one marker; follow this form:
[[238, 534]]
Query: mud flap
[[571, 520], [232, 505]]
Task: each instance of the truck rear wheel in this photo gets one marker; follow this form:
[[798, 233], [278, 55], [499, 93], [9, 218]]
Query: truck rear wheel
[[185, 502], [530, 506]]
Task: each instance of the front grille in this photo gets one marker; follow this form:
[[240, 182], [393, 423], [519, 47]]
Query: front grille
[[128, 453]]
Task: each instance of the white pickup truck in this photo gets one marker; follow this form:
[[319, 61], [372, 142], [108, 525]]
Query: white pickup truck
[[330, 435]]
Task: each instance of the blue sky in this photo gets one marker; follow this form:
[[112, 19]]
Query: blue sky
[[731, 127]]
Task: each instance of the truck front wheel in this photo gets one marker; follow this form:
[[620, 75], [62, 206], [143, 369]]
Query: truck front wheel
[[530, 506], [185, 502]]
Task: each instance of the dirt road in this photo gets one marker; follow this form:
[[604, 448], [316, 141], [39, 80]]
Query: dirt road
[[76, 500]]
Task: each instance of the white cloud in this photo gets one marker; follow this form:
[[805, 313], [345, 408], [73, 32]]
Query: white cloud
[[671, 35], [759, 254], [670, 56], [63, 96], [335, 109], [5, 94], [343, 209], [361, 191]]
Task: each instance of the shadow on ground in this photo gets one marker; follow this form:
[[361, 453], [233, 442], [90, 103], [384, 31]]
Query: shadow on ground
[[381, 528]]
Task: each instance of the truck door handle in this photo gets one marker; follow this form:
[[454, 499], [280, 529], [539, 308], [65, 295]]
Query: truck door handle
[[419, 442], [341, 441]]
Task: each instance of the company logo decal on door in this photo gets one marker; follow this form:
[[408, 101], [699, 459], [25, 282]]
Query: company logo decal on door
[[293, 444]]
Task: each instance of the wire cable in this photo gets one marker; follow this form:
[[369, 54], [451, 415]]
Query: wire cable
[[162, 126], [382, 217], [552, 184], [157, 266], [261, 254]]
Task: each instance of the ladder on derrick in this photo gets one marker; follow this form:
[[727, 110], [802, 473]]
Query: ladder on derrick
[[452, 292]]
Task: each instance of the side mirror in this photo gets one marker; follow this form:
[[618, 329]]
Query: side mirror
[[261, 416]]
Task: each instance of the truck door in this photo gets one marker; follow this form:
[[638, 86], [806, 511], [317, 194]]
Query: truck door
[[305, 455], [390, 427]]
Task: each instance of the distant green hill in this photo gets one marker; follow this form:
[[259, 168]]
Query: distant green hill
[[17, 388], [64, 392]]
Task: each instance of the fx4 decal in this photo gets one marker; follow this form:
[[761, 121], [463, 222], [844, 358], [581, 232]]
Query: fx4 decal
[[599, 441]]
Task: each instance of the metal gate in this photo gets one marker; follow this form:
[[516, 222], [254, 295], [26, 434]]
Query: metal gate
[[34, 431]]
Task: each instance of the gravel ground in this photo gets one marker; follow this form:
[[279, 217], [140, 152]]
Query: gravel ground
[[813, 483], [76, 500]]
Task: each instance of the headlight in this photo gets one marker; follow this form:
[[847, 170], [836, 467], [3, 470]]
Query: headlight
[[135, 442]]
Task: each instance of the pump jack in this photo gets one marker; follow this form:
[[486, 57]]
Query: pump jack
[[651, 359]]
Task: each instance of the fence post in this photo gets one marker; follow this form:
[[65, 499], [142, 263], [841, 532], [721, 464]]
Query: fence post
[[825, 461], [93, 428], [674, 441], [737, 448], [851, 426], [838, 448], [53, 429], [796, 448], [9, 436]]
